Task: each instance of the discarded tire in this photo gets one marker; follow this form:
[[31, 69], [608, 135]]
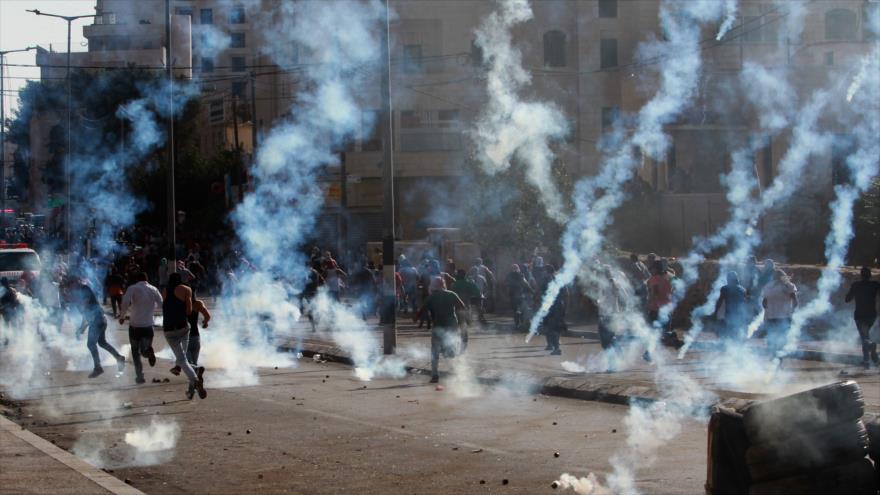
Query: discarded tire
[[808, 449], [855, 478], [821, 407]]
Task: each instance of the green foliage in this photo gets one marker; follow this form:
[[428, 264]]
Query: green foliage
[[512, 216]]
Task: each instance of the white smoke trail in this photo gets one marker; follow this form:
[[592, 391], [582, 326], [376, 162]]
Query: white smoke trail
[[596, 198], [730, 9], [863, 165], [286, 196], [510, 128]]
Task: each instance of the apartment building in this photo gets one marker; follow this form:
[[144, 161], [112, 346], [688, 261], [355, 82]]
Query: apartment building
[[582, 55]]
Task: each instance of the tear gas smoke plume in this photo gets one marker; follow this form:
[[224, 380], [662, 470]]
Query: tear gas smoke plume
[[863, 165], [153, 443], [596, 198], [509, 128], [278, 216], [730, 10]]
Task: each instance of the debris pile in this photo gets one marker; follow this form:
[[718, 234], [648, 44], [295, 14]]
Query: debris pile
[[812, 442]]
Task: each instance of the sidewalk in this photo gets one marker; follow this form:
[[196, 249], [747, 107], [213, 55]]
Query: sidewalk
[[500, 357], [31, 465]]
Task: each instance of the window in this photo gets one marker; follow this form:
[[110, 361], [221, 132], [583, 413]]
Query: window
[[184, 11], [608, 9], [236, 15], [206, 16], [841, 148], [554, 49], [609, 117], [608, 53], [829, 58], [207, 65], [870, 11], [238, 88], [237, 40], [841, 25], [430, 130], [412, 58], [215, 112], [238, 64]]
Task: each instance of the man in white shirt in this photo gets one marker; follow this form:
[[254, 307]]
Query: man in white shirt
[[143, 299]]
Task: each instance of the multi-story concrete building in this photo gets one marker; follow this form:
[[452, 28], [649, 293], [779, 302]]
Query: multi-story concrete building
[[582, 55]]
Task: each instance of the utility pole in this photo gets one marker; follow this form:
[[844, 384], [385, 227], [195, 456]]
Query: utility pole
[[69, 203], [388, 308], [239, 166], [3, 132], [170, 186]]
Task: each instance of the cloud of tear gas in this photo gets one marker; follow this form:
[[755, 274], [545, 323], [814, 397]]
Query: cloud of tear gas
[[209, 41], [353, 335], [154, 444], [511, 129], [278, 216], [596, 198]]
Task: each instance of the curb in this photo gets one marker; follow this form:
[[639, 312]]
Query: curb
[[100, 478]]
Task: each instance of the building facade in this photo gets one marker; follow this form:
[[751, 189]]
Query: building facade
[[582, 55]]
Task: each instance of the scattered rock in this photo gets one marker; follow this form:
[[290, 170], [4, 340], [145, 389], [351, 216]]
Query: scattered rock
[[504, 481], [323, 381], [276, 367], [326, 376], [397, 396], [126, 405], [554, 423], [293, 398], [476, 451], [365, 386], [556, 454], [614, 431], [163, 402], [228, 433], [454, 448], [403, 426], [166, 380], [260, 476], [554, 485], [248, 432], [127, 481], [482, 482]]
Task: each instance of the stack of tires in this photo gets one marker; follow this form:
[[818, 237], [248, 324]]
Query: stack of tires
[[813, 442]]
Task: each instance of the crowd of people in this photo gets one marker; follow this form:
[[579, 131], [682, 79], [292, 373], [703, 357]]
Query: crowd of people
[[443, 298]]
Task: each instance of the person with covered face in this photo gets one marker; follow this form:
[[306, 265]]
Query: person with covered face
[[736, 308], [865, 292], [779, 301], [80, 296], [443, 305]]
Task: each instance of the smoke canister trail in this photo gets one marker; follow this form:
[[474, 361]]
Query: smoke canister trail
[[596, 198], [730, 9], [863, 165], [511, 128], [278, 216]]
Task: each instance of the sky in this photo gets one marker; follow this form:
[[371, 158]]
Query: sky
[[20, 29]]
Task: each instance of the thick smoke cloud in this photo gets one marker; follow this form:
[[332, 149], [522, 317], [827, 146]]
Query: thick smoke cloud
[[511, 129]]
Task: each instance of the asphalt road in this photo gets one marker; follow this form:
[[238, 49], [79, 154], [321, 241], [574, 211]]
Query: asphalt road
[[316, 429]]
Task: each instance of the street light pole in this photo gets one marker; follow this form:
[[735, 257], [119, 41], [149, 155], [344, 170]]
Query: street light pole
[[68, 203], [389, 309], [3, 132], [172, 202]]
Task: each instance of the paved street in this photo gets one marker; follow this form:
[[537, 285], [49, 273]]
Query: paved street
[[315, 428]]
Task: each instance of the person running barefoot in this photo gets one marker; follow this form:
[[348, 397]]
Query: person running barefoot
[[175, 312]]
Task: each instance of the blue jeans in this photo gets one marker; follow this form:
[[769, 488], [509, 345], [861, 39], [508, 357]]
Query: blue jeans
[[178, 340], [97, 337], [192, 349]]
